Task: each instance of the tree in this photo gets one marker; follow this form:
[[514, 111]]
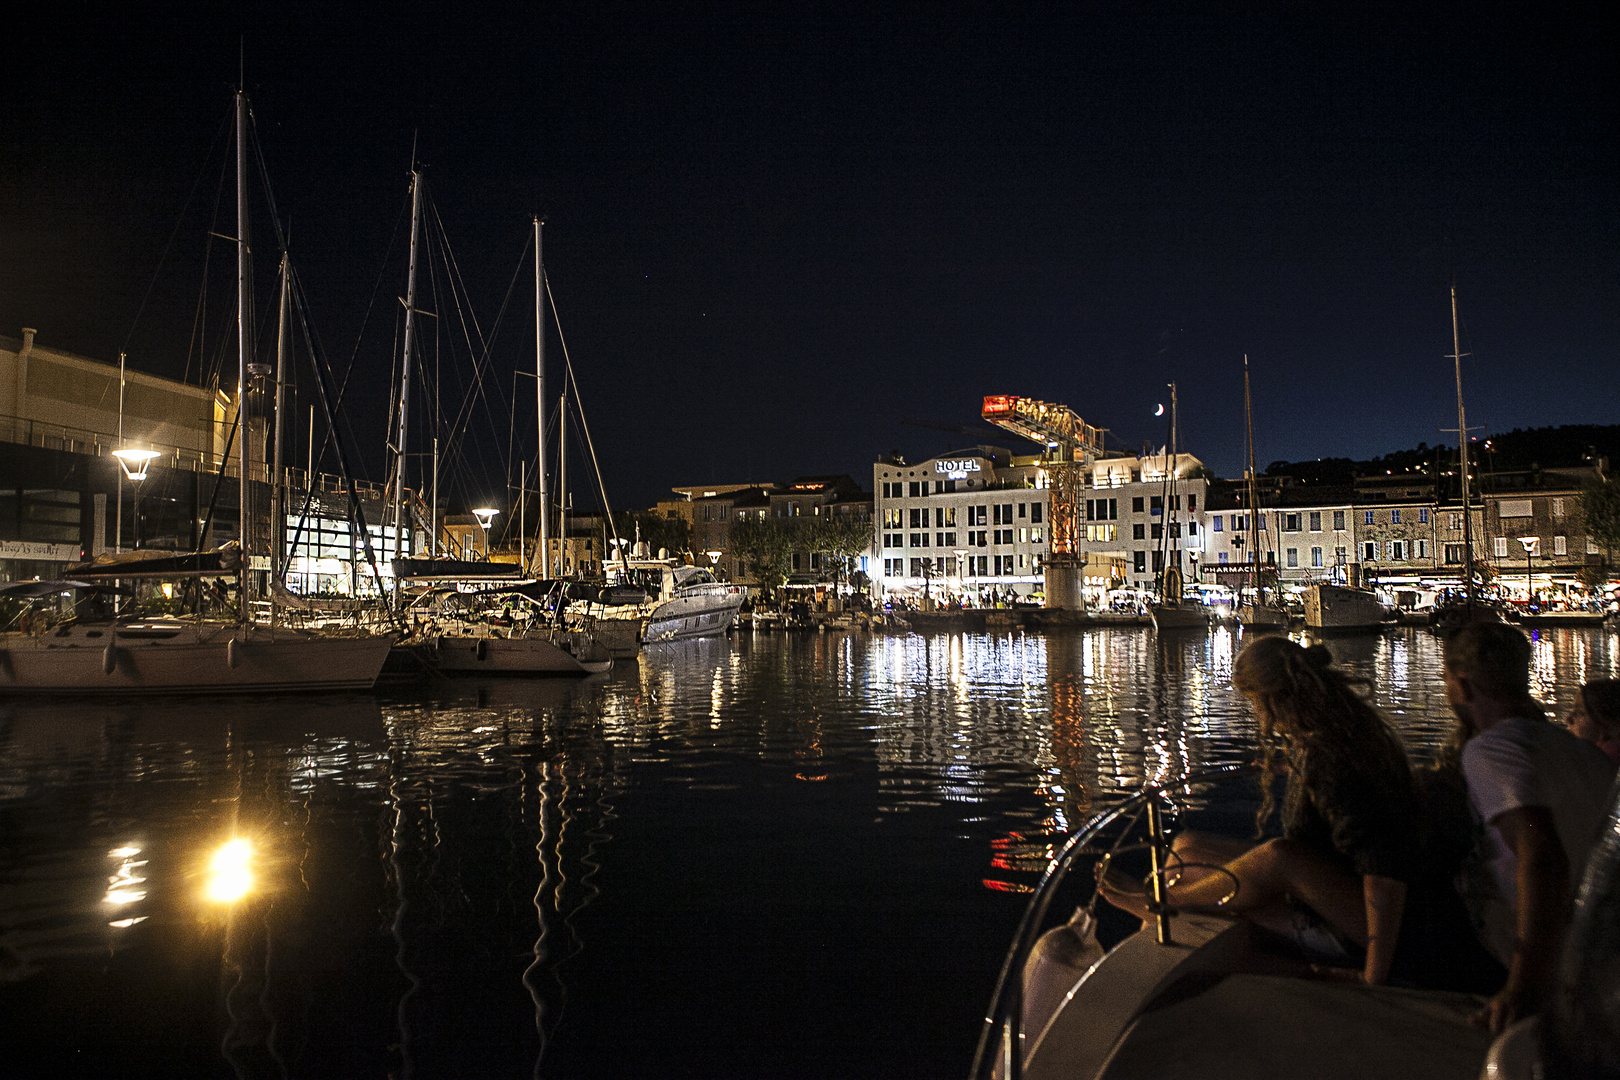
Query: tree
[[1600, 506], [766, 545], [656, 531], [839, 540]]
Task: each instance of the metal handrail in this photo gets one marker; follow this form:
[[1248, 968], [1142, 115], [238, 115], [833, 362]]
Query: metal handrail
[[1001, 1039]]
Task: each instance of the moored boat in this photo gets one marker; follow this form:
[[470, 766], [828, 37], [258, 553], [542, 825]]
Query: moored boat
[[1343, 608]]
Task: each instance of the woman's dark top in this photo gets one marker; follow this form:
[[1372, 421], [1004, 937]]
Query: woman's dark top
[[1368, 819]]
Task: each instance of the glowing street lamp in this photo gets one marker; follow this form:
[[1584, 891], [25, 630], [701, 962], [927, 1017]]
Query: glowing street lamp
[[134, 463], [1531, 543], [486, 518]]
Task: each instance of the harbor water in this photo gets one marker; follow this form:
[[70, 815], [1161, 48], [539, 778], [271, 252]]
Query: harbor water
[[766, 856]]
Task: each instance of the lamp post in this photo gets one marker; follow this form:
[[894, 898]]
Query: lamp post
[[134, 463], [1530, 544], [714, 559], [961, 583], [486, 518]]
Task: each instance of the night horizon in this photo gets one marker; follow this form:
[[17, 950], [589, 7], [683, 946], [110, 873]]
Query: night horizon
[[774, 239]]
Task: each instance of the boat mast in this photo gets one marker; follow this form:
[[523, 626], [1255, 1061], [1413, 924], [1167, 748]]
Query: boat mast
[[244, 329], [1462, 455], [277, 492], [1254, 491], [1172, 525], [562, 478], [540, 396], [405, 368]]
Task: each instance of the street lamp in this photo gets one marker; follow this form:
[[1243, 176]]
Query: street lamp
[[714, 558], [961, 584], [486, 518], [134, 463], [1530, 544]]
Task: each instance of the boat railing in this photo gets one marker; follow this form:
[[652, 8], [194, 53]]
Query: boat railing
[[1000, 1053]]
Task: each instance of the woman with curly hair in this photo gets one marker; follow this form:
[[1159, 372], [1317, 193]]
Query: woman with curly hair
[[1346, 881]]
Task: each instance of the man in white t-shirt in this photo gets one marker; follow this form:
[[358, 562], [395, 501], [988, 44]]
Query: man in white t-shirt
[[1541, 794]]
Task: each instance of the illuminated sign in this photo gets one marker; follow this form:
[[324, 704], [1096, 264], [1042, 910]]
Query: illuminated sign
[[957, 470]]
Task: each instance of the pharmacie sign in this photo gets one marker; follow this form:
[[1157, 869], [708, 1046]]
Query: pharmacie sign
[[957, 470]]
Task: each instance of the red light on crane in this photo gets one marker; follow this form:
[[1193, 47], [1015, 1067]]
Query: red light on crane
[[998, 405]]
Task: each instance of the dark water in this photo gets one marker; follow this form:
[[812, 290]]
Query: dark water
[[769, 856]]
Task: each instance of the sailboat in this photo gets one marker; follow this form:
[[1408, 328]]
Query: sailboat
[[135, 653], [1253, 612], [496, 628], [1172, 611], [1471, 608]]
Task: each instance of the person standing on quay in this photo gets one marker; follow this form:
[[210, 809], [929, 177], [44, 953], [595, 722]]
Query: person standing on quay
[[1540, 793]]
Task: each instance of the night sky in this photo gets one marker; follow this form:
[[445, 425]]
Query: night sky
[[774, 234]]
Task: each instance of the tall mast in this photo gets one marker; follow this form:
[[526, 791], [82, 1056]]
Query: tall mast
[[540, 396], [244, 328], [562, 475], [1172, 525], [1462, 454], [405, 369], [1254, 489], [277, 492]]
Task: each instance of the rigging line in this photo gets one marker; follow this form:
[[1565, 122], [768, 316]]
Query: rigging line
[[579, 405], [463, 417], [174, 232], [199, 322]]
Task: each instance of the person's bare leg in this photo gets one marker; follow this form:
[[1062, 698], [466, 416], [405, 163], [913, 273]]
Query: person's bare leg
[[1265, 875]]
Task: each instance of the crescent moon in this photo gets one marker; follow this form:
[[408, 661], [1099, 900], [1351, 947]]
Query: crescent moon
[[1159, 411]]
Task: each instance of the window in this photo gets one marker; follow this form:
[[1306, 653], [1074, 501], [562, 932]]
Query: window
[[1455, 554], [1158, 531], [1023, 536], [939, 541], [796, 560], [1423, 515], [1558, 509], [1139, 561], [1367, 517], [1192, 503], [1021, 508], [1260, 522], [1397, 550], [1158, 561], [1560, 545], [1293, 558], [894, 518], [1035, 535], [1316, 557], [1136, 505], [976, 515], [1035, 511], [1455, 522], [1004, 536], [1156, 504], [1215, 523], [1395, 516], [1369, 551], [984, 565], [1499, 546], [1006, 513], [950, 517], [1423, 549], [1192, 528], [1338, 520], [916, 539], [1139, 531], [1096, 534], [917, 518], [1316, 523], [1338, 556], [1220, 557], [917, 567], [1290, 523], [916, 492]]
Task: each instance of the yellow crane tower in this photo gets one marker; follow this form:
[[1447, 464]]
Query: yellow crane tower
[[1071, 444]]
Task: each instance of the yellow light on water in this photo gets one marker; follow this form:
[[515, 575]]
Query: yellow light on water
[[229, 876]]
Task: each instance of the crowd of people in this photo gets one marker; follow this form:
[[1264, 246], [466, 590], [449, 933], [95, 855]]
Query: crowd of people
[[1460, 875]]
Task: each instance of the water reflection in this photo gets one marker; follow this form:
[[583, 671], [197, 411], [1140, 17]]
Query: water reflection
[[489, 877]]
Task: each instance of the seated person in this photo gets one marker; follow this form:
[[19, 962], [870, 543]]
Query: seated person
[[1346, 881], [1540, 794]]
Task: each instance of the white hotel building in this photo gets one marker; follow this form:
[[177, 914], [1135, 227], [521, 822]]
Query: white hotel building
[[971, 522], [977, 522]]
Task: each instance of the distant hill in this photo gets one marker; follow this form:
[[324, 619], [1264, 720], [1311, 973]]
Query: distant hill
[[1521, 448]]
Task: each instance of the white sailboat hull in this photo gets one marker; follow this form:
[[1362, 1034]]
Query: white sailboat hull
[[486, 655], [186, 657]]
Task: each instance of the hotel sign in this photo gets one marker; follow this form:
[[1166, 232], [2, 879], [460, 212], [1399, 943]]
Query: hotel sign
[[957, 470], [22, 549]]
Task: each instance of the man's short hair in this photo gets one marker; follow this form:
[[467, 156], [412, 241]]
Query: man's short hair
[[1495, 657]]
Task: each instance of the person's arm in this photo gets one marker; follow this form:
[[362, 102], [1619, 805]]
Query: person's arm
[[1543, 892], [1386, 904]]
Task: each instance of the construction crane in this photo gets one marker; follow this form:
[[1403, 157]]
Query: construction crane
[[1071, 444]]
